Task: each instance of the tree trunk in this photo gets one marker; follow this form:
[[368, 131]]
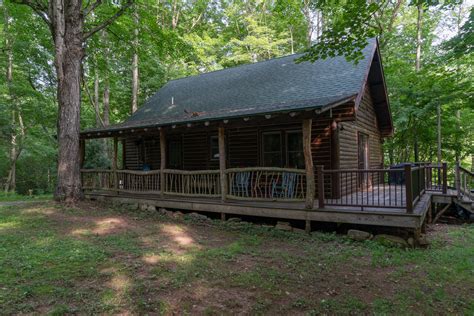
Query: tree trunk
[[417, 69], [135, 75], [438, 111], [418, 37], [67, 27], [106, 103], [10, 184], [309, 21], [98, 122]]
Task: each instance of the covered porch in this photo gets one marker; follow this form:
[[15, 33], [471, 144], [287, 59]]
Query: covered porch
[[397, 197]]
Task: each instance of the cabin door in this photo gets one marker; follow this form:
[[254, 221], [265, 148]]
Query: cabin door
[[363, 160]]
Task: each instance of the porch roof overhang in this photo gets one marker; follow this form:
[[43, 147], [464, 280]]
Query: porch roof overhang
[[316, 106]]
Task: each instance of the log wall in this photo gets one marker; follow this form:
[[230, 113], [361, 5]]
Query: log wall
[[331, 147]]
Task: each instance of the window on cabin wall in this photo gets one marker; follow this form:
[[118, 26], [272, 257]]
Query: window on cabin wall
[[214, 147], [294, 149], [279, 153], [175, 154], [272, 149]]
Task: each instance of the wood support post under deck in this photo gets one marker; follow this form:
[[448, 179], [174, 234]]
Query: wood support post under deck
[[308, 162], [222, 162], [162, 161], [114, 164], [408, 189]]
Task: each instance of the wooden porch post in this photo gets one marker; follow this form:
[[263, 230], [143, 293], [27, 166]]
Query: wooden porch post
[[82, 155], [457, 180], [114, 164], [308, 163], [445, 178], [222, 163], [82, 152], [408, 189], [320, 171], [162, 161]]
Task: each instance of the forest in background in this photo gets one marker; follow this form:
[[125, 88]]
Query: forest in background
[[426, 46]]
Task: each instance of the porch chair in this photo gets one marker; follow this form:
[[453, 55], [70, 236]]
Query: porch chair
[[241, 184], [285, 189]]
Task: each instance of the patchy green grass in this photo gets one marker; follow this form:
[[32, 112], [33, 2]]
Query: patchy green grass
[[99, 259], [11, 197]]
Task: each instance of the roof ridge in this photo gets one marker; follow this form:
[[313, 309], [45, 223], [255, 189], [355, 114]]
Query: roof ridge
[[233, 67]]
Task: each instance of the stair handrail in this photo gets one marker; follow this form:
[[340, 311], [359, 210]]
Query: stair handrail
[[462, 183]]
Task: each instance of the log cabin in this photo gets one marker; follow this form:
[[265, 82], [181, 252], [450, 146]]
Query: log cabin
[[277, 138]]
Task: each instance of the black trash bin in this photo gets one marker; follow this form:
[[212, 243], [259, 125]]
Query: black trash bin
[[398, 177]]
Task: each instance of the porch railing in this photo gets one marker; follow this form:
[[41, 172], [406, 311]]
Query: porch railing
[[97, 179], [201, 183], [138, 181], [266, 183], [366, 188], [399, 188], [387, 188], [464, 183]]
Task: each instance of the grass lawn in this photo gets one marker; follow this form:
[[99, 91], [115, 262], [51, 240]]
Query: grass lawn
[[100, 259]]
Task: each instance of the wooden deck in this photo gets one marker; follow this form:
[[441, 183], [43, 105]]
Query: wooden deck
[[365, 215]]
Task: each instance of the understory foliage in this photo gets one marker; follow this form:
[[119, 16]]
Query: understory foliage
[[176, 38]]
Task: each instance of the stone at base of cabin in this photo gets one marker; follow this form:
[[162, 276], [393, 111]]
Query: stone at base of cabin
[[391, 240], [411, 242], [234, 220], [197, 217], [178, 214], [151, 208], [358, 235], [423, 241], [132, 206], [299, 230], [283, 226], [143, 207]]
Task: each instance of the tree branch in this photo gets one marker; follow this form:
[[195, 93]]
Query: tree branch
[[109, 21], [89, 8], [40, 9]]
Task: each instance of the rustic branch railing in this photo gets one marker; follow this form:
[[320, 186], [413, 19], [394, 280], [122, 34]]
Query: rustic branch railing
[[96, 179], [398, 188], [266, 183], [138, 181], [201, 183]]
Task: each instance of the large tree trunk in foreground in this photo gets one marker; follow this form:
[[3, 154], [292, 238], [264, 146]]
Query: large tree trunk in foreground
[[68, 58], [65, 19]]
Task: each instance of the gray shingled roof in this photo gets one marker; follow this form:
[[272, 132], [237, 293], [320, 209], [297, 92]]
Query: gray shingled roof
[[274, 85]]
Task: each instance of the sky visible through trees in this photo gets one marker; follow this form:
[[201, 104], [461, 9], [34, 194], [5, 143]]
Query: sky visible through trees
[[426, 46]]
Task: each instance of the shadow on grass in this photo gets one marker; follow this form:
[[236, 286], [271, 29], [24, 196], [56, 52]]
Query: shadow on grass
[[96, 260]]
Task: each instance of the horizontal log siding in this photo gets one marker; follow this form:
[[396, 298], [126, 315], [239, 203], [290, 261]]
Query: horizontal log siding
[[244, 148], [196, 151], [132, 155], [365, 122], [322, 146]]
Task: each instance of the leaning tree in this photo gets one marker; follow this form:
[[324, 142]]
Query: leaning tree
[[66, 20]]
